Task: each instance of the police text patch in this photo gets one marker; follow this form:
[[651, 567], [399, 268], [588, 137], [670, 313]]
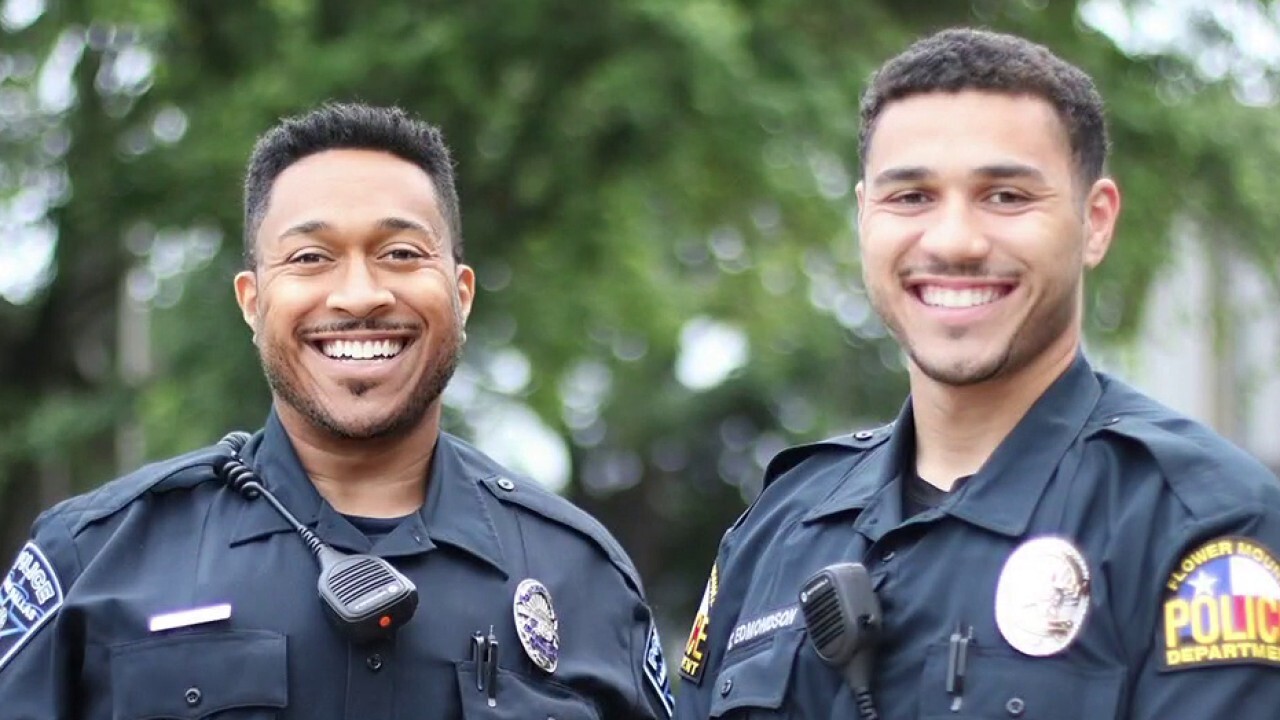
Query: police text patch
[[655, 669], [30, 595], [695, 648], [1222, 606]]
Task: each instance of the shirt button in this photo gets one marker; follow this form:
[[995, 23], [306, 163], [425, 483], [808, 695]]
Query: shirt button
[[862, 435], [374, 662], [506, 484], [888, 555], [726, 687], [192, 696], [1015, 707]]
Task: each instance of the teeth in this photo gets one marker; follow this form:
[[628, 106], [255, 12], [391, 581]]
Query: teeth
[[959, 298], [361, 349]]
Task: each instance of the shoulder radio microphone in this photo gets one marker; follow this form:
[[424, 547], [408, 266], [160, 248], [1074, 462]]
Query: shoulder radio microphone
[[843, 617], [365, 596]]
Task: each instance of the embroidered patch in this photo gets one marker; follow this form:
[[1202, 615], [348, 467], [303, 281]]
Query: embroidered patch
[[655, 669], [1222, 606], [695, 648], [30, 595], [763, 626]]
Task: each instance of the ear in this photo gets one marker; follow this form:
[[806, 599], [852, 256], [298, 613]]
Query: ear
[[246, 287], [1101, 210], [466, 281]]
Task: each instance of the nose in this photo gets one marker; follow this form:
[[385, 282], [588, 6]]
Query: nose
[[954, 234], [359, 293]]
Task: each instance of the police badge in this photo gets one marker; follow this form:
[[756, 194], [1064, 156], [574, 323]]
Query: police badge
[[1042, 596], [536, 624]]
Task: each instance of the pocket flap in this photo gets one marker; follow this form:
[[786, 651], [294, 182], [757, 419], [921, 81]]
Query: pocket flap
[[758, 678], [1000, 683], [196, 675]]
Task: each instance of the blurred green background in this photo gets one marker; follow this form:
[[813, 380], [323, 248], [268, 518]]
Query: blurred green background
[[657, 197]]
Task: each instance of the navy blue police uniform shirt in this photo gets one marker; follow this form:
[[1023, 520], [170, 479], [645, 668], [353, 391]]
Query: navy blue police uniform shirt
[[1111, 560], [89, 601]]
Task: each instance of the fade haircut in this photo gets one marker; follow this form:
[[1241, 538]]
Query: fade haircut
[[347, 126], [967, 59]]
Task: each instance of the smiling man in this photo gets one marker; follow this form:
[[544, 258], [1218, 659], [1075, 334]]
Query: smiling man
[[1030, 537], [449, 588]]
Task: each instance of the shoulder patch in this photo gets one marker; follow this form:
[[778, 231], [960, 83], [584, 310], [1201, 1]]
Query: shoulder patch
[[655, 670], [1222, 606], [695, 648], [30, 596]]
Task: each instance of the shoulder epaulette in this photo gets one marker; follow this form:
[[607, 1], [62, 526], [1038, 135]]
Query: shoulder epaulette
[[1187, 455], [533, 497], [184, 471], [861, 441]]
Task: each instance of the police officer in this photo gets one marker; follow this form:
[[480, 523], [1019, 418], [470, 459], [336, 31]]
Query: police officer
[[1043, 541], [169, 594]]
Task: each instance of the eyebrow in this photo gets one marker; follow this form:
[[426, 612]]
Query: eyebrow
[[997, 171], [393, 224]]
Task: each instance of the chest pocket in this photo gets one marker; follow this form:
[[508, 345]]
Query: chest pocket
[[519, 698], [753, 684], [1000, 684], [231, 675]]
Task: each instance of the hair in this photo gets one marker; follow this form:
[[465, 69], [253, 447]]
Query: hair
[[968, 59], [337, 126]]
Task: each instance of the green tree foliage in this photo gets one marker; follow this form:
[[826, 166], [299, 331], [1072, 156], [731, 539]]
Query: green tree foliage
[[625, 168]]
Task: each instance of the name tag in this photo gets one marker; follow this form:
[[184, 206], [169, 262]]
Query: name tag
[[188, 618]]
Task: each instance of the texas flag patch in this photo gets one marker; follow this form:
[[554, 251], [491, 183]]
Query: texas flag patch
[[1222, 606], [29, 597]]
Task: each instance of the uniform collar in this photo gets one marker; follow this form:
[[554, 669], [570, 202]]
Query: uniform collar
[[1004, 493], [1002, 496], [454, 513]]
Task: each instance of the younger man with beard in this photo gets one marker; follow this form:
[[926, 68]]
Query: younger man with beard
[[167, 593], [1044, 541]]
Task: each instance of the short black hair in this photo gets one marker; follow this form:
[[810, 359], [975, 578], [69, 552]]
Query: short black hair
[[971, 59], [339, 126]]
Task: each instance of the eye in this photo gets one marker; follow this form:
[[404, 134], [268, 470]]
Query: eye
[[403, 254], [309, 257], [909, 197], [1007, 197]]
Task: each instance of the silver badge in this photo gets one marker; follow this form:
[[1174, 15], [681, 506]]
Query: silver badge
[[1042, 596], [536, 624]]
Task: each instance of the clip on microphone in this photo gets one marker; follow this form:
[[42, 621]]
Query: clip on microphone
[[365, 596], [843, 617]]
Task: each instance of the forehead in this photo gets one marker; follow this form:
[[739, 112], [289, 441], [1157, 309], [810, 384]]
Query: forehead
[[351, 186], [971, 128]]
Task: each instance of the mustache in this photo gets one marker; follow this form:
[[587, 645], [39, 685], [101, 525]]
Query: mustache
[[941, 268], [367, 324]]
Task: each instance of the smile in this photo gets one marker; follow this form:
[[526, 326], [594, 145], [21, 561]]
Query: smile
[[961, 298], [362, 349]]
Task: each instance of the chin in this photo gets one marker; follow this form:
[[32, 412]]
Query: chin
[[961, 371]]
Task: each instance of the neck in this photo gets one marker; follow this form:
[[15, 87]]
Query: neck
[[380, 477], [959, 427]]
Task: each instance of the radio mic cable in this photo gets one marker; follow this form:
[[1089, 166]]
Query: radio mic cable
[[364, 596]]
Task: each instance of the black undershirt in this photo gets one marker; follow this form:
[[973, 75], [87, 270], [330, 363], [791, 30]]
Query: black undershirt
[[918, 495], [374, 528]]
